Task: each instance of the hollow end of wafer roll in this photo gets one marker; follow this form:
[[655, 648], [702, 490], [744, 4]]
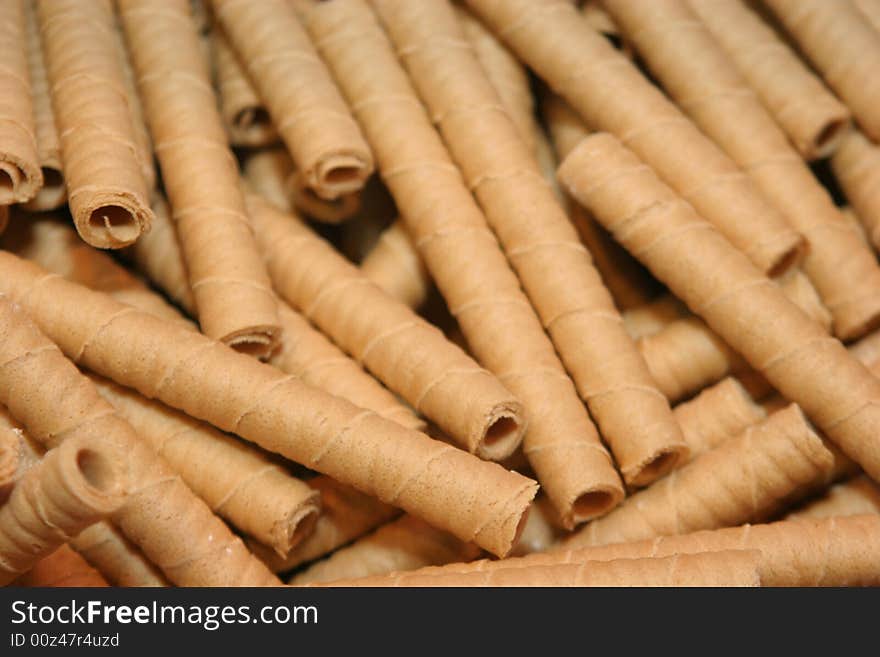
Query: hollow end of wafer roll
[[502, 433], [256, 341], [252, 126], [827, 137], [338, 174], [19, 182], [112, 223], [590, 504], [328, 211], [95, 474], [53, 193], [657, 465], [298, 526]]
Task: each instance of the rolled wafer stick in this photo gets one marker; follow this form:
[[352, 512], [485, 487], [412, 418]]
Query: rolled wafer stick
[[233, 295], [725, 568], [652, 317], [106, 189], [62, 568], [812, 118], [55, 246], [856, 165], [267, 171], [554, 40], [103, 546], [404, 544], [395, 266], [240, 484], [625, 278], [405, 352], [20, 174], [466, 262], [449, 488], [75, 484], [328, 211], [303, 351], [309, 113], [871, 11], [555, 269], [176, 530], [245, 116], [842, 46], [809, 552], [697, 72], [738, 481], [505, 73], [543, 529], [857, 496], [346, 515], [703, 269], [53, 193], [718, 413]]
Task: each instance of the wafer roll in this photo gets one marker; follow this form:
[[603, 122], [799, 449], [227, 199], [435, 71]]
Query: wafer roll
[[395, 266], [404, 544], [240, 484], [73, 486], [245, 116], [727, 568], [841, 44], [20, 174], [449, 488], [346, 515], [543, 529], [858, 496], [738, 481], [812, 118], [651, 317], [871, 11], [106, 189], [856, 166], [299, 93], [62, 568], [702, 268], [409, 355], [465, 261], [233, 295], [53, 193], [696, 71], [103, 546], [56, 403], [267, 172], [553, 266], [554, 40]]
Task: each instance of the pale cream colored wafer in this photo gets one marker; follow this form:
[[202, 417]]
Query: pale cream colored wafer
[[103, 546], [106, 189], [44, 391], [308, 112], [246, 119], [745, 308], [703, 569], [812, 118], [234, 300], [843, 46], [465, 261], [404, 351], [684, 55], [77, 483], [20, 174], [53, 193], [62, 568], [473, 499], [554, 40], [404, 544]]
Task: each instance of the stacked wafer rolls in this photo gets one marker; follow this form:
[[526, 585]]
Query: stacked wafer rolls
[[553, 266], [465, 261], [20, 174], [697, 72], [106, 189], [719, 283], [309, 114], [74, 485], [405, 352], [231, 288]]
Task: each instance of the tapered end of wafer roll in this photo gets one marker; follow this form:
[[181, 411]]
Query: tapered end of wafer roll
[[110, 220]]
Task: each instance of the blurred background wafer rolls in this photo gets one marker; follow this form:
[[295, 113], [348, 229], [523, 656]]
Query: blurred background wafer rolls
[[106, 189], [719, 283], [685, 56], [856, 496], [64, 568], [20, 173], [611, 94], [121, 562], [233, 295], [305, 105], [394, 264]]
